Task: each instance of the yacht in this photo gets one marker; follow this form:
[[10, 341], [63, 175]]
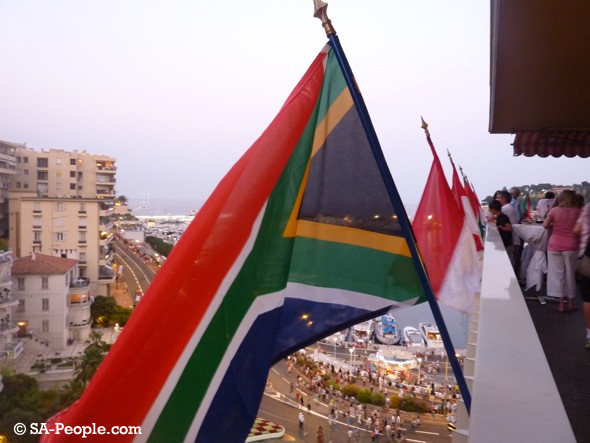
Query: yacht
[[362, 332], [412, 337], [386, 330], [431, 335]]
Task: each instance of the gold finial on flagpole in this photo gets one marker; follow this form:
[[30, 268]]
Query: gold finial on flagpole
[[425, 127], [321, 12]]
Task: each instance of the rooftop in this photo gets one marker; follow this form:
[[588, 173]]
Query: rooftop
[[36, 264]]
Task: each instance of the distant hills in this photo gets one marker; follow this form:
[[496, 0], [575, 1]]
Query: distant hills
[[538, 191]]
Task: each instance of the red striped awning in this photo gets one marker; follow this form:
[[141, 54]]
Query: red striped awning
[[554, 143]]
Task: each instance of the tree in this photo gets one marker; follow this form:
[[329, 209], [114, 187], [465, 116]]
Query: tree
[[92, 357], [102, 309], [122, 200]]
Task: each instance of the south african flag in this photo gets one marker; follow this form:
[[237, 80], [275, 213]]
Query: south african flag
[[298, 241]]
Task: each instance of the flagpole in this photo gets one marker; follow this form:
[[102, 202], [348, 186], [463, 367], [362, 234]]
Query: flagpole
[[321, 13]]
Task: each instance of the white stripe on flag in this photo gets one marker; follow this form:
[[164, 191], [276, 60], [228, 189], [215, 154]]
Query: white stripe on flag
[[172, 380], [267, 303]]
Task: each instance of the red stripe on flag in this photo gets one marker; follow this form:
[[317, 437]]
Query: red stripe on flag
[[141, 360]]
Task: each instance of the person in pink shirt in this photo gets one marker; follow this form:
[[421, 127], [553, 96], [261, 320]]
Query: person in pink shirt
[[562, 249]]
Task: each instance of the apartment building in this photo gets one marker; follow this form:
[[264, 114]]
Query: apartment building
[[53, 300], [59, 173], [74, 228], [7, 170], [9, 347]]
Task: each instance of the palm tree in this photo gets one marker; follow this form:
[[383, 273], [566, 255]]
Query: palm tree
[[92, 357]]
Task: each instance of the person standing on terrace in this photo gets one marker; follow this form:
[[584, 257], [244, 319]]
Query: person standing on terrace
[[562, 250], [582, 228]]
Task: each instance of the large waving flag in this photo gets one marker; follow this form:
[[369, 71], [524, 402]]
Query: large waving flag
[[466, 209], [298, 241], [446, 243]]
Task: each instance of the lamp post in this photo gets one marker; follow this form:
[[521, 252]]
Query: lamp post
[[351, 350], [334, 338], [419, 367]]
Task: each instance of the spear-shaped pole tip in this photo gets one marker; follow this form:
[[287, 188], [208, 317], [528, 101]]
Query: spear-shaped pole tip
[[321, 12], [461, 170], [450, 156], [425, 127]]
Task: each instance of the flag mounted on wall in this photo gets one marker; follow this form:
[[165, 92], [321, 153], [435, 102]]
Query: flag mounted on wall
[[298, 241]]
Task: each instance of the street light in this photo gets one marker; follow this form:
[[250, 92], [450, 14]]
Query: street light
[[419, 367], [351, 350], [335, 338]]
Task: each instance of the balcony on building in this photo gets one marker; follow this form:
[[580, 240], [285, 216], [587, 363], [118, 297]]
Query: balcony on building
[[104, 238], [106, 166], [79, 283], [104, 192], [80, 324], [7, 164], [8, 327], [106, 179], [11, 350], [106, 274], [7, 300]]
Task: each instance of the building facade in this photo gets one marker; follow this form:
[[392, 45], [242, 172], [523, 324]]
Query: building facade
[[9, 346], [75, 228], [53, 300], [59, 173], [7, 170]]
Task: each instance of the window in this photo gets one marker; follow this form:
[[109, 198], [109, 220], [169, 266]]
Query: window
[[73, 161], [73, 186], [59, 207], [58, 186], [36, 222], [80, 188], [82, 257], [45, 326], [18, 159], [42, 188], [45, 304], [42, 175], [36, 206], [82, 207], [25, 172], [60, 221], [82, 236], [26, 185], [58, 161], [82, 272], [42, 162], [21, 306], [59, 236], [21, 283], [58, 174], [73, 174], [17, 185], [82, 222], [45, 285], [25, 159], [36, 237]]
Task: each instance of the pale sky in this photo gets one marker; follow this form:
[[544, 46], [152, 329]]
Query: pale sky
[[177, 90]]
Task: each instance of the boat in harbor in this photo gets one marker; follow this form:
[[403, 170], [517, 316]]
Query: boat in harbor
[[362, 332], [412, 337], [431, 335], [386, 330]]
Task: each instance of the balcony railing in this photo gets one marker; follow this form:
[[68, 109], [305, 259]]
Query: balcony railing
[[5, 257], [506, 363], [8, 300], [81, 324], [80, 282], [8, 327]]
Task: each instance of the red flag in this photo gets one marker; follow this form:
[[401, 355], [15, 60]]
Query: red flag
[[465, 206], [445, 242]]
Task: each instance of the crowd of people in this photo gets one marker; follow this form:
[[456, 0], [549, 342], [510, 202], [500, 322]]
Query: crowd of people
[[383, 424], [567, 219]]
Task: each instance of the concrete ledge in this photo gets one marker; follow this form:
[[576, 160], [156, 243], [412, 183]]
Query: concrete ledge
[[514, 391]]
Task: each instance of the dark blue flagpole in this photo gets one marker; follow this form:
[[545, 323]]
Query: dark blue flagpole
[[321, 13]]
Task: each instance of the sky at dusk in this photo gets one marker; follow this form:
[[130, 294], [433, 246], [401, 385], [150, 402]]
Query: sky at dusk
[[178, 90]]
